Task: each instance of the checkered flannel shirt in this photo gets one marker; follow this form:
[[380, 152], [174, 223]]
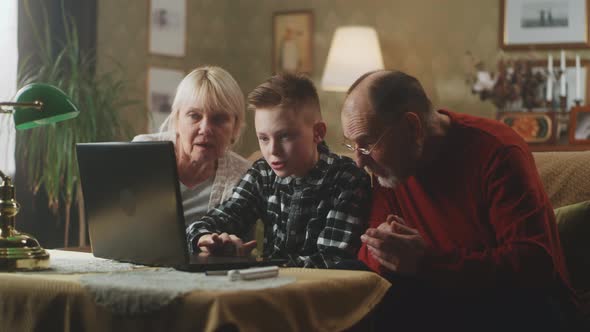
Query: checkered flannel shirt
[[312, 221]]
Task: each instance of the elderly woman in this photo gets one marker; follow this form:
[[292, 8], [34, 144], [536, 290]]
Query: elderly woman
[[206, 120]]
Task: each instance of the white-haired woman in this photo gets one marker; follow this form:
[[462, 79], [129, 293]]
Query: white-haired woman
[[206, 120]]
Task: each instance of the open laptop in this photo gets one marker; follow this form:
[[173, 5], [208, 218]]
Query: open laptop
[[134, 207]]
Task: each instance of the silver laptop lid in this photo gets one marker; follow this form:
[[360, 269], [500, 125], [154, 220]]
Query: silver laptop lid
[[133, 203]]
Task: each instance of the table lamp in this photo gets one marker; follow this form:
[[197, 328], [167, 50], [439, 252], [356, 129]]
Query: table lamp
[[35, 105], [354, 51]]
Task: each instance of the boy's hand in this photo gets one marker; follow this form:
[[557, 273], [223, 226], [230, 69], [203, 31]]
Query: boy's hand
[[225, 244]]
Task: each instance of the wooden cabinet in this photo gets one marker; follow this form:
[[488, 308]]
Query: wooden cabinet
[[557, 147], [561, 144]]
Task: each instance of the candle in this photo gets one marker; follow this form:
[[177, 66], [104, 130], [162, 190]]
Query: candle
[[550, 78], [563, 92], [578, 80]]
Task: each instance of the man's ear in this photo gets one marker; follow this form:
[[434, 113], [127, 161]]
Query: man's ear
[[416, 130], [415, 127], [319, 131]]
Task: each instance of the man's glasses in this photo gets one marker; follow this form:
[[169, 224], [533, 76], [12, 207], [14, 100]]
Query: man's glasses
[[364, 150]]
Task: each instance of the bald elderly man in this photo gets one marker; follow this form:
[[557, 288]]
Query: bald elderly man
[[460, 221]]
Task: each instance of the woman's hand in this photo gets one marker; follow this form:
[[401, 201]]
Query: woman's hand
[[396, 246], [225, 244]]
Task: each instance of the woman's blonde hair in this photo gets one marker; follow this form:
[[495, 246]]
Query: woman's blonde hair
[[208, 88]]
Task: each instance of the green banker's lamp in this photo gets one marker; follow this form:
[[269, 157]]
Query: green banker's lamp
[[35, 105]]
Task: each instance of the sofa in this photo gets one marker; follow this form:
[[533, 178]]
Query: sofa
[[566, 178]]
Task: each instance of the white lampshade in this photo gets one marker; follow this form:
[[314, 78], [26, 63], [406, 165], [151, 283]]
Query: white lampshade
[[354, 51]]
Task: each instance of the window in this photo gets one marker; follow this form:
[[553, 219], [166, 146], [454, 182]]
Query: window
[[8, 79]]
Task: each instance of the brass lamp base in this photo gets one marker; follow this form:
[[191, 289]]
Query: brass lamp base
[[22, 252], [18, 251]]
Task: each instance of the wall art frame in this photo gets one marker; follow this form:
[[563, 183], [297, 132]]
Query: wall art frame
[[167, 27], [292, 46], [161, 89], [531, 24]]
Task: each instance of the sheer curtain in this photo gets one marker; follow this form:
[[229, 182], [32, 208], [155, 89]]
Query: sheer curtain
[[8, 78]]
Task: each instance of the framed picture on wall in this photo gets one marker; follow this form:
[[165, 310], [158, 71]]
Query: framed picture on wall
[[292, 42], [167, 27], [580, 125], [545, 24], [161, 87], [533, 127]]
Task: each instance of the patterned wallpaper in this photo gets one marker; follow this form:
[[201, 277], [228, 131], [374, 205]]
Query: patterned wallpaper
[[426, 38]]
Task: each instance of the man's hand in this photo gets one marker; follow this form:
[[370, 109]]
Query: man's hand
[[396, 246], [225, 244]]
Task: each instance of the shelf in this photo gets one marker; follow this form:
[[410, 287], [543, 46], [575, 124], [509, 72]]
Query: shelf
[[555, 147], [560, 144]]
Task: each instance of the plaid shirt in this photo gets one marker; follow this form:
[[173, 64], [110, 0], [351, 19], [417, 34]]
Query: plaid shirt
[[313, 221]]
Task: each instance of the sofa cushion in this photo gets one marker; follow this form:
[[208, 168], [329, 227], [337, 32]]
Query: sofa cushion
[[565, 176], [573, 222]]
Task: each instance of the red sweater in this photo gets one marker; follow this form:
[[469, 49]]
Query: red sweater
[[482, 210]]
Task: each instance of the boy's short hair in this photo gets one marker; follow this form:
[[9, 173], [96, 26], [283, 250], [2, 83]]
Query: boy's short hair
[[286, 91]]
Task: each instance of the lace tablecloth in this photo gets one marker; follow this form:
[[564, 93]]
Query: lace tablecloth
[[70, 262], [126, 288]]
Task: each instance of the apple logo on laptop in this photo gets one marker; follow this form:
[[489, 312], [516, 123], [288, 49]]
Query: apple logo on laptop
[[127, 201]]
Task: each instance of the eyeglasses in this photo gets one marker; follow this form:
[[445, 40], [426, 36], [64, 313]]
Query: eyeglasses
[[365, 151]]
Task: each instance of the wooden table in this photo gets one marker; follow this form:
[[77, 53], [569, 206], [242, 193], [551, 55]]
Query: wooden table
[[319, 300]]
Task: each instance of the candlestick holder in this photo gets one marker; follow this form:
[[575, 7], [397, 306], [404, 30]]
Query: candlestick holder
[[549, 105], [553, 77], [562, 103], [562, 118], [578, 102]]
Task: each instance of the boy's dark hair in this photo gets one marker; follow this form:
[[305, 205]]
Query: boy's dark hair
[[287, 91]]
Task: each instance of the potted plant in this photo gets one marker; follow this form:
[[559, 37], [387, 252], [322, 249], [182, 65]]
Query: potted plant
[[49, 152]]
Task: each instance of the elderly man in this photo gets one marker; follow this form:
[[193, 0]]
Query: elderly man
[[460, 221]]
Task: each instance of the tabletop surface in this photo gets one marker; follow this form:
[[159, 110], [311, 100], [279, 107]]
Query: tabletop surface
[[89, 298]]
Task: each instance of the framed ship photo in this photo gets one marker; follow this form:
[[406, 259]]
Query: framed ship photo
[[549, 24]]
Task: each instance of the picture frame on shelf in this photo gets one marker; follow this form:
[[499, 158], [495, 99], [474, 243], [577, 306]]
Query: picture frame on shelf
[[579, 132], [161, 89], [528, 24], [167, 27], [533, 127], [292, 46]]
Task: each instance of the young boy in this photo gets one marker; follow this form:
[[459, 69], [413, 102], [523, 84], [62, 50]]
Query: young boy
[[311, 201]]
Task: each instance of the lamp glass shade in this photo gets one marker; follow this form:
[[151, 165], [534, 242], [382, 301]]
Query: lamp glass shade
[[354, 51], [56, 106]]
